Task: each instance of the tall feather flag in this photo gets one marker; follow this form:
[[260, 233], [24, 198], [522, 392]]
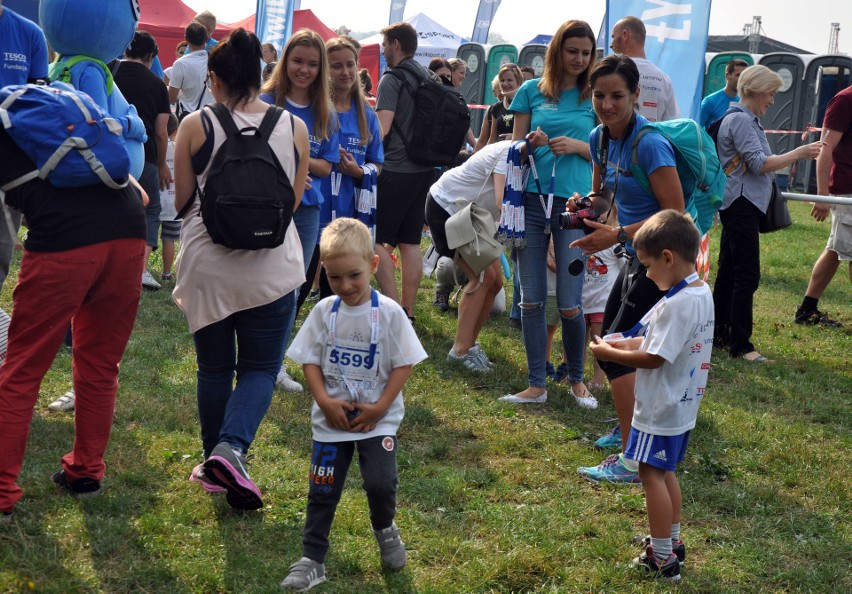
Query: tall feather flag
[[676, 39], [397, 9], [484, 16], [275, 21]]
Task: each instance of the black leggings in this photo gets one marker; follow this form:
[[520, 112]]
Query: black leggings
[[632, 296]]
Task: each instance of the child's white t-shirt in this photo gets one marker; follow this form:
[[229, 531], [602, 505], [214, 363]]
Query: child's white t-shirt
[[397, 346], [602, 270], [168, 212], [681, 332]]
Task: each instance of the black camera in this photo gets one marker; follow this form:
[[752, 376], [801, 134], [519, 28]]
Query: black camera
[[574, 220]]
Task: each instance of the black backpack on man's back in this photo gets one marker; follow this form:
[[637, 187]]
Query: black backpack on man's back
[[441, 119], [248, 200]]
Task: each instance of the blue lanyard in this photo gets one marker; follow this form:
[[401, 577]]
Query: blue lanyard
[[639, 328], [357, 391], [547, 208]]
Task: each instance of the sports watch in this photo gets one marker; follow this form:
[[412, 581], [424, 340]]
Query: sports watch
[[622, 236]]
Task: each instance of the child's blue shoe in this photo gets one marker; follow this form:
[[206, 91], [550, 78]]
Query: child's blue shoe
[[611, 470]]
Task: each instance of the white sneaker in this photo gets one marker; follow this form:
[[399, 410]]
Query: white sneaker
[[287, 383], [64, 403], [149, 283]]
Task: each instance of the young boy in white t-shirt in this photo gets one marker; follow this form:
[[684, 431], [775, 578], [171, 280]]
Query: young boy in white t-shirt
[[672, 362], [357, 350]]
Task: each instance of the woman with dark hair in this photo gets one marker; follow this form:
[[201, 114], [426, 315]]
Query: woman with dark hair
[[615, 89], [554, 115], [238, 303], [442, 68], [748, 161]]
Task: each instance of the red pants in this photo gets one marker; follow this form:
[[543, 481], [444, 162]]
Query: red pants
[[96, 288]]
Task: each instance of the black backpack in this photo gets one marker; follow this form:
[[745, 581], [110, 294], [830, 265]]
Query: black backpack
[[713, 127], [441, 119], [248, 201]]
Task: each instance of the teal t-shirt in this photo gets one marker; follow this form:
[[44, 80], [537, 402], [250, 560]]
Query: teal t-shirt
[[714, 106], [567, 117]]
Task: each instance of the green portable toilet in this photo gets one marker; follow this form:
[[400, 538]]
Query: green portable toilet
[[715, 78], [473, 86], [498, 55]]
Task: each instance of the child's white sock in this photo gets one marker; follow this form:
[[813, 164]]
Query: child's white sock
[[676, 532], [662, 549], [631, 465]]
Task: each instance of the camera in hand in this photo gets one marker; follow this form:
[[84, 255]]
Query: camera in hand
[[575, 220]]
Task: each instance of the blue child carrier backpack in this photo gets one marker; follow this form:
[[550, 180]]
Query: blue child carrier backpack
[[69, 138]]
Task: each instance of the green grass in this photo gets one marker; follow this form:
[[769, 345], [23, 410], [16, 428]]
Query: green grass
[[489, 497]]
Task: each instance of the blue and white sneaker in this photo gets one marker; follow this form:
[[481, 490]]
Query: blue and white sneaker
[[610, 440], [611, 470]]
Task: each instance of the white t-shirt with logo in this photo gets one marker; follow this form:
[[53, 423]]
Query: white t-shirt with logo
[[189, 74], [656, 96], [397, 346], [681, 332]]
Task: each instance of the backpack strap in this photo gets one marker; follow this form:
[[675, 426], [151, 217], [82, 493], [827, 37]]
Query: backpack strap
[[270, 120], [60, 69], [225, 120]]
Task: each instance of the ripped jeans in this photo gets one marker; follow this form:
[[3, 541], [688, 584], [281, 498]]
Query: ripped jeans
[[532, 268]]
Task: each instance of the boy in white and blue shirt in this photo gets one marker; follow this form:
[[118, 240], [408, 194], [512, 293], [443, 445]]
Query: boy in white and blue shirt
[[357, 350], [672, 361]]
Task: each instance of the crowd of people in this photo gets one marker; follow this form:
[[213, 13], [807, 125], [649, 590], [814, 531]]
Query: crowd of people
[[623, 280]]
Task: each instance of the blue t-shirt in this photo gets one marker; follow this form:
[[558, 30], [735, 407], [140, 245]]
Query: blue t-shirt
[[23, 50], [343, 202], [654, 151], [568, 117], [320, 149], [714, 106]]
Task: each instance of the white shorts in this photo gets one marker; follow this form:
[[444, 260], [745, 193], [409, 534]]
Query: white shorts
[[840, 239]]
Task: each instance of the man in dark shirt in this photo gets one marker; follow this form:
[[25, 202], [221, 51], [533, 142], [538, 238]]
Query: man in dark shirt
[[143, 89]]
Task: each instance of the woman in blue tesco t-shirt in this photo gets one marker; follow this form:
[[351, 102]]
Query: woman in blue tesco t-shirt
[[360, 140], [554, 113]]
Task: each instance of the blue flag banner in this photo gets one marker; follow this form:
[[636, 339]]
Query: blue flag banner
[[274, 21], [397, 9], [484, 16], [675, 40]]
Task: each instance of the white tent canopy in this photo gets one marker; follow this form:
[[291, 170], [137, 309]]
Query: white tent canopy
[[434, 40]]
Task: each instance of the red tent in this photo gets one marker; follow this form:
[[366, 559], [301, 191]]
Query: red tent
[[166, 19]]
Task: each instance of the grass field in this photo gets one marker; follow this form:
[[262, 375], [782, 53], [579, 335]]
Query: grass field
[[489, 498]]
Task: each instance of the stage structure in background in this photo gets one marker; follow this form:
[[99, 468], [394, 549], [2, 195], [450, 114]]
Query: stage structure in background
[[484, 16], [275, 21], [676, 36], [397, 9]]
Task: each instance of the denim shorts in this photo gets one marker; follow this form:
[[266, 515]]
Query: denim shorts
[[659, 451]]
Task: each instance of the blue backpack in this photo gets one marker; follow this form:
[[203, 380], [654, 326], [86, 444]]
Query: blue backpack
[[71, 140], [696, 159]]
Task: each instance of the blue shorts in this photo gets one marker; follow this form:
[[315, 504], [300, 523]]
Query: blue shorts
[[659, 451]]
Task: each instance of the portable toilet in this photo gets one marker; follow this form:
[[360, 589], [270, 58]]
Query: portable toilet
[[715, 78], [533, 56], [498, 55], [825, 76], [786, 113], [473, 86]]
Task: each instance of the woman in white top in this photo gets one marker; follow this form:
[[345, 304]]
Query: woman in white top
[[237, 302]]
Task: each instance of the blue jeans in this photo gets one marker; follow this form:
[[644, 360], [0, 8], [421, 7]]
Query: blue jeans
[[515, 312], [532, 269], [250, 344], [306, 219], [150, 182]]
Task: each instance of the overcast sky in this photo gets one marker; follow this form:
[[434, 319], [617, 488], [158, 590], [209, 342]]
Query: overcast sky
[[806, 26]]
